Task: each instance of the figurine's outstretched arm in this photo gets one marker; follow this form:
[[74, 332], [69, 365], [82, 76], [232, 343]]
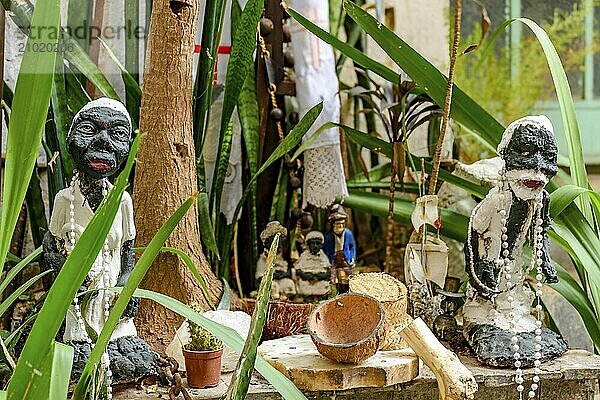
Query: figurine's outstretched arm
[[127, 264], [547, 267]]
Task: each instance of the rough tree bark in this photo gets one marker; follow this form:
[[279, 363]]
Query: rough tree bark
[[165, 172]]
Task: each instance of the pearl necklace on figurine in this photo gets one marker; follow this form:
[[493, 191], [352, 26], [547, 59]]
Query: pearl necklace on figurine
[[105, 279], [536, 260]]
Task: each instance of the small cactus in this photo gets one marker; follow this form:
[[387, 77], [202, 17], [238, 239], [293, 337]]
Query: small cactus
[[201, 339]]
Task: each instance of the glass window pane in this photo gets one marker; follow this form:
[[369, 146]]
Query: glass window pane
[[564, 22], [596, 52]]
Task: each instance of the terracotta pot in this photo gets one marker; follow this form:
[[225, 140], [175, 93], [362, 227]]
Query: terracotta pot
[[348, 328], [203, 368]]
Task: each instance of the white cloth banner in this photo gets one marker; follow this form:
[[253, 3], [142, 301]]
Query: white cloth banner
[[316, 81]]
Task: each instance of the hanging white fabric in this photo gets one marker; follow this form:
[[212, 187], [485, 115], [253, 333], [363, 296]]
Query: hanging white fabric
[[316, 81]]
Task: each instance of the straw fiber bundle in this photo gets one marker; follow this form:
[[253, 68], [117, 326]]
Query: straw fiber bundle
[[393, 296]]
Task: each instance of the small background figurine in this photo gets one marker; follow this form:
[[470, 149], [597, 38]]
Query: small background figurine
[[499, 322], [99, 140], [313, 270], [340, 248], [283, 285]]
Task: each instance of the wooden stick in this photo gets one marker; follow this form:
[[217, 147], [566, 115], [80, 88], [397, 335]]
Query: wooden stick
[[440, 143], [455, 381]]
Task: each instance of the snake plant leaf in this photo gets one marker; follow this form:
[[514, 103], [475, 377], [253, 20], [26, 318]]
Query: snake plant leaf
[[240, 380], [248, 113], [136, 276], [231, 338], [132, 42], [207, 233], [285, 146], [214, 12], [28, 116], [225, 302], [240, 62], [69, 280], [464, 108], [62, 117], [220, 172]]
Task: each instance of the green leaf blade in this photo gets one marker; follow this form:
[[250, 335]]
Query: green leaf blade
[[240, 380], [28, 116], [240, 62], [136, 276], [464, 109]]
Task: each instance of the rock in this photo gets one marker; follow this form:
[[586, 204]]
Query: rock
[[132, 358], [492, 345], [81, 354], [237, 320], [298, 359]]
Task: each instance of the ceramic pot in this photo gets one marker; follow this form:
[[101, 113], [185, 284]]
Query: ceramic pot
[[203, 368]]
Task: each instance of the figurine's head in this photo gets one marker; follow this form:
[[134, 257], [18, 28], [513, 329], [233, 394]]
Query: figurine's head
[[268, 235], [315, 241], [530, 154], [337, 219], [100, 137]]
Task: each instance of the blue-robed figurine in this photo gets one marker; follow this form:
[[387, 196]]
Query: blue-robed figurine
[[339, 246]]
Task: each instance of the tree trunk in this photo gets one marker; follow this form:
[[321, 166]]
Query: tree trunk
[[165, 174]]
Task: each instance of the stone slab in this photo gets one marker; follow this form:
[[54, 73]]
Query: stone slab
[[297, 358], [574, 376]]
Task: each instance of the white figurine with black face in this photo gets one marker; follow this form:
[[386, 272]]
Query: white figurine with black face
[[498, 311], [99, 141]]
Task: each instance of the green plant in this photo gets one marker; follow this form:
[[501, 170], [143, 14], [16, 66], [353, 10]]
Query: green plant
[[200, 338], [508, 90], [240, 381], [402, 108]]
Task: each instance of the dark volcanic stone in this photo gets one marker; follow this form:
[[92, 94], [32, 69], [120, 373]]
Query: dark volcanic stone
[[131, 358], [492, 345], [80, 357]]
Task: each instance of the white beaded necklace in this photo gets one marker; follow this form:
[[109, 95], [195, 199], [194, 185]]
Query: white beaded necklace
[[536, 260], [105, 282]]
